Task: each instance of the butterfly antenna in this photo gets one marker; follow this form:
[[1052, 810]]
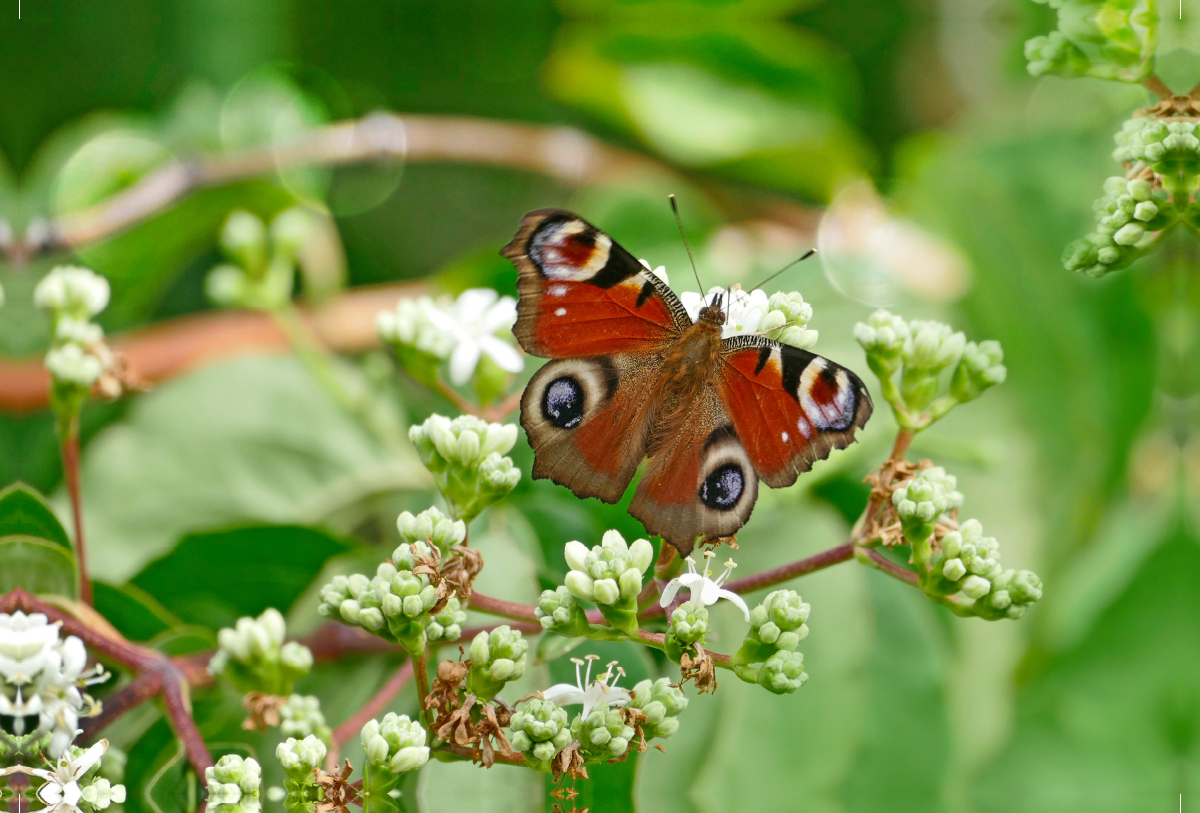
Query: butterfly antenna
[[799, 259], [691, 259]]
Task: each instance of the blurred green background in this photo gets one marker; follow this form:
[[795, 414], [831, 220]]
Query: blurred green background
[[758, 112]]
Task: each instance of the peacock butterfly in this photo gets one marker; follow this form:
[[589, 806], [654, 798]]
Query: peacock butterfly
[[632, 376]]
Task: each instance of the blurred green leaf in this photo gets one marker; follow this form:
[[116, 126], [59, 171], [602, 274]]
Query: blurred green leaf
[[254, 439], [906, 675], [1111, 724], [214, 578], [23, 512], [37, 566], [135, 613]]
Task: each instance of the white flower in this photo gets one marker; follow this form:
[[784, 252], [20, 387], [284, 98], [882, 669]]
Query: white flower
[[80, 292], [77, 331], [660, 272], [705, 591], [61, 792], [587, 691], [41, 677], [411, 323], [744, 312], [71, 363], [473, 320]]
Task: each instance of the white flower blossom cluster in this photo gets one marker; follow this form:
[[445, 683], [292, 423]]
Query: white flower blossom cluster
[[783, 316], [41, 676], [462, 330], [73, 296], [61, 791]]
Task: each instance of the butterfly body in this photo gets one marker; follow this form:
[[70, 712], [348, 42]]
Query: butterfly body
[[632, 377]]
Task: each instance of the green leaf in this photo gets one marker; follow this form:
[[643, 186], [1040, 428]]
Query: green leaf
[[906, 674], [135, 613], [23, 512], [214, 578], [192, 455], [1110, 725], [37, 566]]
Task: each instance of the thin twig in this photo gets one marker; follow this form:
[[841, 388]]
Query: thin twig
[[903, 438], [70, 461], [1157, 86], [891, 568], [460, 403], [179, 713], [378, 702], [770, 578], [146, 686], [177, 346], [421, 666]]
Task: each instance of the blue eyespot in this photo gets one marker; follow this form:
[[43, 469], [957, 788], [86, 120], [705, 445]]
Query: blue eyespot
[[562, 403], [722, 489]]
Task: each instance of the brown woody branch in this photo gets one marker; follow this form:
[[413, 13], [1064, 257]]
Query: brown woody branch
[[171, 348]]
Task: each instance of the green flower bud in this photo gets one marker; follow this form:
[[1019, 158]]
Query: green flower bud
[[930, 348], [432, 526], [300, 757], [539, 730], [253, 656], [603, 734], [244, 240], [465, 457], [778, 623], [662, 703], [979, 369], [688, 624], [393, 745], [242, 772], [783, 673], [557, 611], [497, 657], [100, 793], [447, 624], [922, 500], [883, 337], [301, 716], [607, 591], [289, 232]]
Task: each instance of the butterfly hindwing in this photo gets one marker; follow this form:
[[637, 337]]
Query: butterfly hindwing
[[701, 482], [588, 421], [789, 407], [583, 295]]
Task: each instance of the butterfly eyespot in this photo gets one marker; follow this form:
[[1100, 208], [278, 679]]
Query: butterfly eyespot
[[563, 402], [722, 489]]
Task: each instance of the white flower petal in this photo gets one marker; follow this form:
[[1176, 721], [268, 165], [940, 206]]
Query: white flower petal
[[668, 593], [504, 354], [565, 694], [731, 596], [463, 362]]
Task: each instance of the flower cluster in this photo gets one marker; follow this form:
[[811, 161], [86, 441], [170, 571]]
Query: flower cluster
[[299, 759], [254, 657], [466, 458], [234, 784], [301, 716], [783, 316], [920, 351], [968, 563], [539, 729], [1169, 147], [922, 500], [602, 732], [611, 575], [426, 332], [393, 604], [42, 676], [1128, 216], [497, 657], [394, 745], [77, 357], [558, 611], [768, 655], [661, 702], [432, 527], [71, 785], [258, 275], [1107, 39]]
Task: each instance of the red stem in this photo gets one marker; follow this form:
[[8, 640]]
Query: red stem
[[769, 578], [179, 712], [70, 459], [421, 666], [892, 569], [347, 730]]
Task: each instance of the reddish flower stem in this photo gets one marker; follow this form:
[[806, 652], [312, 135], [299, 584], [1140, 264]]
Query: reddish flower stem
[[891, 568], [770, 578], [70, 461], [421, 666], [378, 702], [179, 712]]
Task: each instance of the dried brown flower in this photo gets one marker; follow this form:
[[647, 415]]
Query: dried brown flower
[[336, 792], [264, 710], [700, 670]]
